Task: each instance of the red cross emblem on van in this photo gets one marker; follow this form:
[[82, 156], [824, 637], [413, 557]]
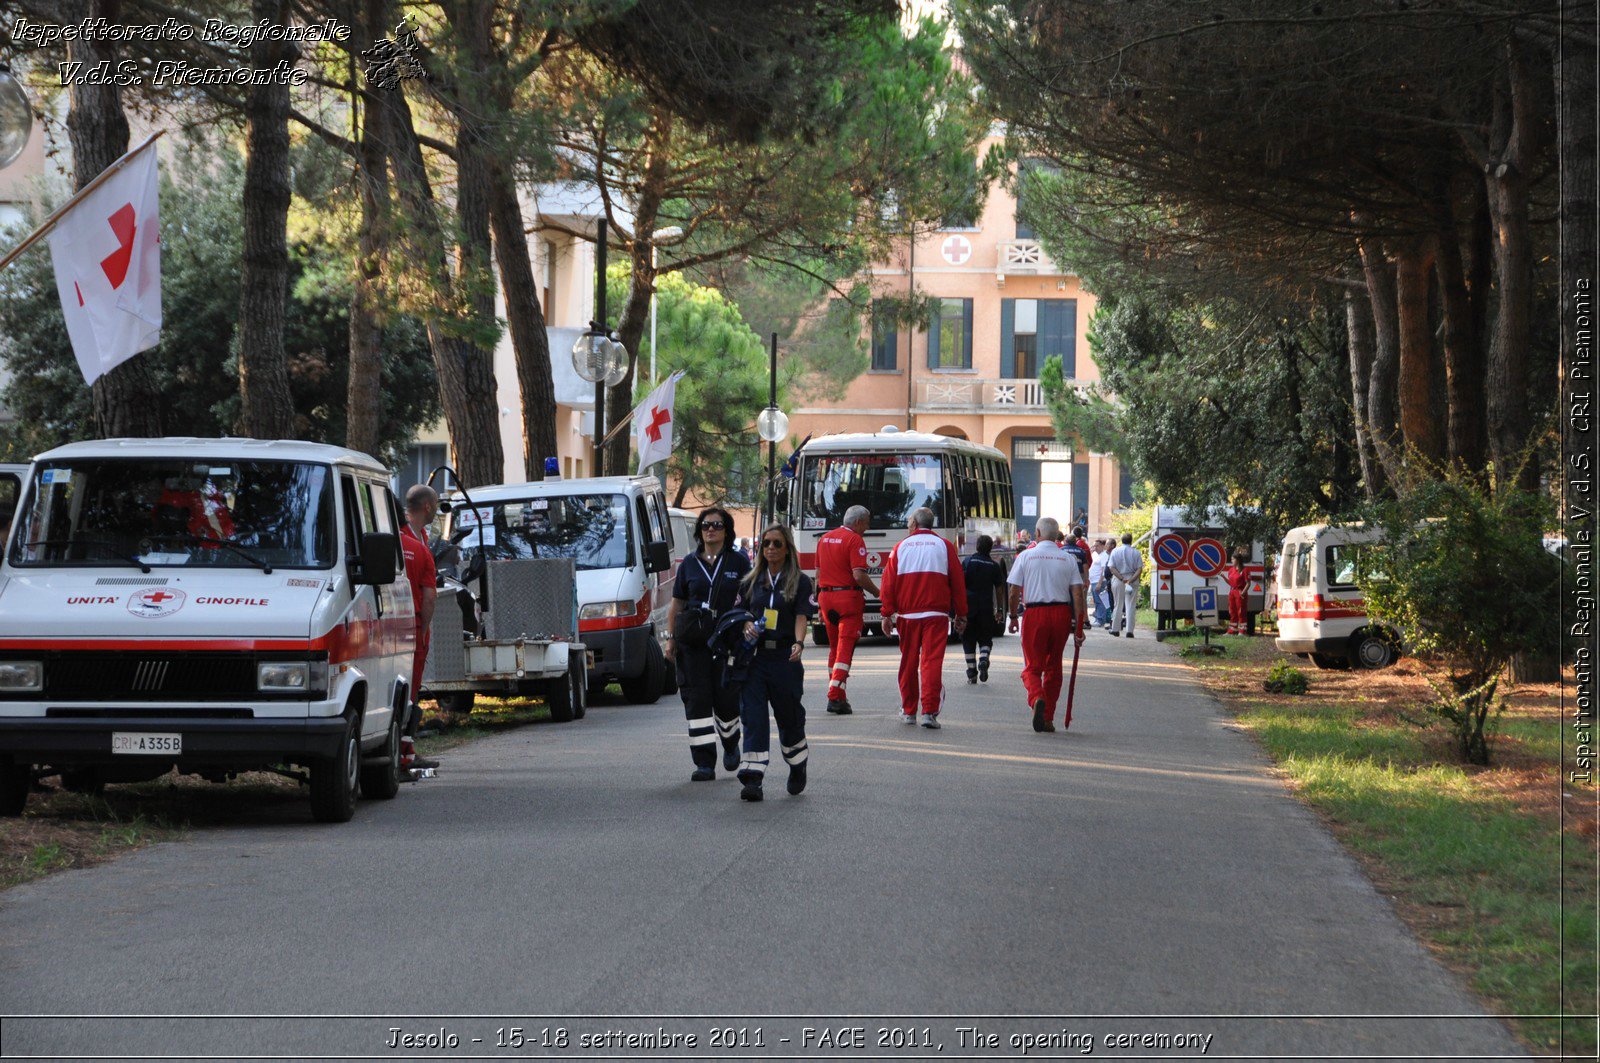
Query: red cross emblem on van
[[156, 603]]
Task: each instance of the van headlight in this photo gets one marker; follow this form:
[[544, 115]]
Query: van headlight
[[291, 677], [605, 610], [21, 676]]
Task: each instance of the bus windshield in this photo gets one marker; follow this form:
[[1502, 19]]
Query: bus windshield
[[593, 530], [891, 486]]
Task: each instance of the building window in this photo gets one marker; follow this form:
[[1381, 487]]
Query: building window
[[885, 340], [950, 335], [1034, 330], [962, 212], [1028, 171]]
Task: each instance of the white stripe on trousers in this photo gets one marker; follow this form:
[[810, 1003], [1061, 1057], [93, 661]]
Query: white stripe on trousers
[[701, 732], [796, 754], [755, 763]]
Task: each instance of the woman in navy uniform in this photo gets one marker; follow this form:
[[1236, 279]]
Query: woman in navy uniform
[[778, 594], [706, 586], [986, 603]]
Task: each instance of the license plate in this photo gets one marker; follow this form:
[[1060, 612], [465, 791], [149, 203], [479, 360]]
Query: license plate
[[144, 742]]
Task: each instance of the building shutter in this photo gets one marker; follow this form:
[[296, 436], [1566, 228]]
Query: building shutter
[[1124, 486], [1058, 334], [1008, 338], [933, 335], [1080, 491], [966, 333]]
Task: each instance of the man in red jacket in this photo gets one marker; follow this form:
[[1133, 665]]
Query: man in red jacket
[[922, 589], [843, 582]]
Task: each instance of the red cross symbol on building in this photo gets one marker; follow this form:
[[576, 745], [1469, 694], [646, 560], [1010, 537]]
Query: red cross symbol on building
[[956, 250], [1043, 449], [658, 419]]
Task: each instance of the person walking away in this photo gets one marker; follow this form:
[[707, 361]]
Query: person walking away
[[1238, 588], [1048, 595], [707, 585], [422, 505], [843, 583], [1098, 616], [923, 588], [986, 588], [778, 594], [1076, 545], [1125, 563]]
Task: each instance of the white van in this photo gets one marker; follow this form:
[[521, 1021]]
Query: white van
[[1321, 613], [214, 605], [617, 531], [11, 477]]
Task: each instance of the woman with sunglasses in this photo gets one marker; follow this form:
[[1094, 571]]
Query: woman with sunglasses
[[779, 594], [706, 587]]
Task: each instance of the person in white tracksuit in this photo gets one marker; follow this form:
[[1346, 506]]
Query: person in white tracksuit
[[1125, 565]]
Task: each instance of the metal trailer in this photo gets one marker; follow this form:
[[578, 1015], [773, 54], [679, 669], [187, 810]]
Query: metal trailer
[[1172, 587], [520, 641]]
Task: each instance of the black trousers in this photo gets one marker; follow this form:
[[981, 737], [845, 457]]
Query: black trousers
[[777, 681], [709, 704]]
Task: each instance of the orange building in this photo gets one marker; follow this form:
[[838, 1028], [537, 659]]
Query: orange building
[[972, 371]]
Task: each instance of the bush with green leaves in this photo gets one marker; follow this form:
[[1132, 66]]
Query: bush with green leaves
[[1466, 580], [1285, 678]]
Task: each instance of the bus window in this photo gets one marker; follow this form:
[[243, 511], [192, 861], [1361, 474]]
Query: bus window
[[891, 486]]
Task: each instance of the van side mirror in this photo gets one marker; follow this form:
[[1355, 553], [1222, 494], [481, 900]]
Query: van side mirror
[[377, 567], [657, 557], [780, 502]]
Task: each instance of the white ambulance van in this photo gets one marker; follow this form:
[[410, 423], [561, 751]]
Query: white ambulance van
[[1321, 613], [618, 533], [214, 605]]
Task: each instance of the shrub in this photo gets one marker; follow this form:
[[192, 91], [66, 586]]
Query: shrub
[[1465, 578], [1285, 678]]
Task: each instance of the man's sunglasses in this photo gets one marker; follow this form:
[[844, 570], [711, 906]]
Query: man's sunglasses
[[711, 525]]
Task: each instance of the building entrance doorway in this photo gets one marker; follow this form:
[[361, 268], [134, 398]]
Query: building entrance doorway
[[1055, 491]]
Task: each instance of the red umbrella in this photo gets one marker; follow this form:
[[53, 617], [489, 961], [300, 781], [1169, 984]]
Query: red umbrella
[[1072, 681]]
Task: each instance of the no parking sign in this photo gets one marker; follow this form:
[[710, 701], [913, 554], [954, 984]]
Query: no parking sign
[[1206, 557], [1169, 550]]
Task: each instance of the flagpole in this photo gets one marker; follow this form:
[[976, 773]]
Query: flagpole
[[100, 179]]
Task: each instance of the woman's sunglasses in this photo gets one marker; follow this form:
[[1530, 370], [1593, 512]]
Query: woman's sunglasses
[[772, 542], [711, 525]]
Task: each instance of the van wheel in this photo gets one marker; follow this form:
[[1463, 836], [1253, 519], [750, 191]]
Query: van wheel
[[646, 687], [334, 781], [1329, 662], [382, 781], [1371, 648], [83, 781], [15, 782], [819, 635]]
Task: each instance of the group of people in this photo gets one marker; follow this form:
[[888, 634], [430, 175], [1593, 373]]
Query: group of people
[[737, 628]]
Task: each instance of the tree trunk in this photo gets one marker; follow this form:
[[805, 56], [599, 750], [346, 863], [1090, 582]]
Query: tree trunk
[[1383, 403], [1463, 356], [1506, 376], [1358, 322], [125, 399], [466, 372], [1575, 108], [266, 406], [364, 390], [1423, 434], [529, 340]]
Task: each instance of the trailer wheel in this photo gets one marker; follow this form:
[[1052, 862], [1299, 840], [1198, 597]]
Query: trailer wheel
[[578, 676], [561, 698], [15, 782], [382, 781], [334, 781]]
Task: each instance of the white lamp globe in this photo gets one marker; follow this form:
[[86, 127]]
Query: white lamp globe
[[16, 118], [591, 357], [772, 424], [617, 355]]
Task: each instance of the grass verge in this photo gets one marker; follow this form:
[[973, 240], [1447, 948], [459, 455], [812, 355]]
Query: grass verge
[[1478, 861], [61, 830]]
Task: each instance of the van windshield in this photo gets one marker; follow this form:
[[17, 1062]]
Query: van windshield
[[214, 513], [593, 530]]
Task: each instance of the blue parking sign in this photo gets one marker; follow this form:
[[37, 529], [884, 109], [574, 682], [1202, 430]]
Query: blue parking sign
[[1205, 606]]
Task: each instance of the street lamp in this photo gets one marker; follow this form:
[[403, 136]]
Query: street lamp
[[598, 358], [16, 118], [671, 232], [772, 424]]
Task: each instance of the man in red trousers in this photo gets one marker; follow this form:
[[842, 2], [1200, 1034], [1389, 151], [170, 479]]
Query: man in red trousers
[[1047, 582], [843, 582], [923, 588]]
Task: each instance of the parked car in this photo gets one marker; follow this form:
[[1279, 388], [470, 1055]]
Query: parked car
[[1321, 612], [210, 605]]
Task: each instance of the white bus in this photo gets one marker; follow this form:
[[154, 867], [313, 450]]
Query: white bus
[[892, 473]]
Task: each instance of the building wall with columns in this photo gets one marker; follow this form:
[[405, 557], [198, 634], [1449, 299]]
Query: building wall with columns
[[972, 369]]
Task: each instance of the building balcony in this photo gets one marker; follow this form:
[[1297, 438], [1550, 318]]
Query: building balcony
[[1025, 257], [967, 395]]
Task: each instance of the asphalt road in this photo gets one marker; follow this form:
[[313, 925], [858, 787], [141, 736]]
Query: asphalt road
[[1142, 880]]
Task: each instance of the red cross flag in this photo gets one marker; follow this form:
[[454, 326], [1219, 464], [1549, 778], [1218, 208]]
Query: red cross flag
[[107, 256], [652, 423]]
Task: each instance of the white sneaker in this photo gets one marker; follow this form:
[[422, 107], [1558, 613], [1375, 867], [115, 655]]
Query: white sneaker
[[931, 721], [908, 717]]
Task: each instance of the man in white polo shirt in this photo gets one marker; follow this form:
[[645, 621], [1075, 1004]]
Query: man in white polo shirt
[[1046, 583]]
